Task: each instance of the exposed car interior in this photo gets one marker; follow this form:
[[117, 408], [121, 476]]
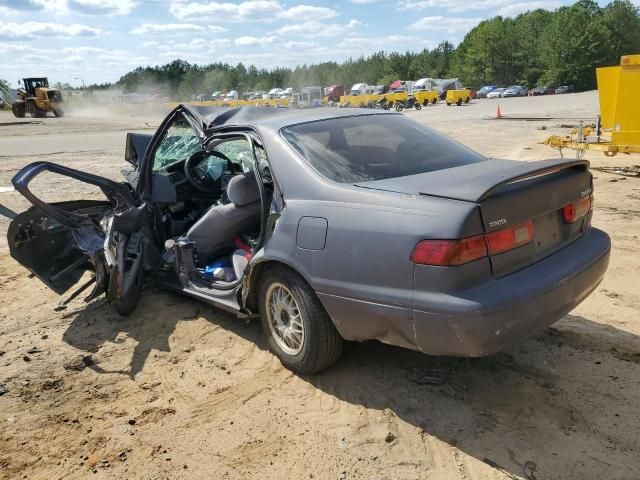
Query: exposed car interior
[[210, 203]]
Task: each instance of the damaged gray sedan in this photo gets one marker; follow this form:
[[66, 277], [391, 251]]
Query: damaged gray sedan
[[330, 225]]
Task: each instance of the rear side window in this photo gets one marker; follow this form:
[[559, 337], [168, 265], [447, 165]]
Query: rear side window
[[375, 147]]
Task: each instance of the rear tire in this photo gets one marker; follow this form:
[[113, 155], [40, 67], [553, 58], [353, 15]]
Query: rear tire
[[398, 107], [58, 112], [18, 109], [459, 102], [298, 329], [418, 106]]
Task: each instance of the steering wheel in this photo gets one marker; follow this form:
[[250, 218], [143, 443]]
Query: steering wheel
[[201, 180]]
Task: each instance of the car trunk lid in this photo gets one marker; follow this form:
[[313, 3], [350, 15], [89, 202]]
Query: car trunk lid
[[509, 193]]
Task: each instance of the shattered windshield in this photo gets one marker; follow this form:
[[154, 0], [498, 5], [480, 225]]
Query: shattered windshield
[[178, 144]]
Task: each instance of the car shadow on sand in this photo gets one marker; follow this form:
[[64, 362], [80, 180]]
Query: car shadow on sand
[[561, 405], [151, 325]]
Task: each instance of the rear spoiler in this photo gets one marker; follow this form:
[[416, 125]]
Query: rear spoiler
[[473, 182]]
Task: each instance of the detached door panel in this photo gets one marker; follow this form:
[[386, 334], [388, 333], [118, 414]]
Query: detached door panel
[[58, 242]]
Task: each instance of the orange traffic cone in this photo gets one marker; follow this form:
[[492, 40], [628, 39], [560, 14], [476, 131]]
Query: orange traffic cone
[[498, 112]]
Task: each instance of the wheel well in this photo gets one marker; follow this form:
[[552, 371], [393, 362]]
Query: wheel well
[[256, 274]]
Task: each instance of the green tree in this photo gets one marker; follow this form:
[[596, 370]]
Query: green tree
[[575, 42], [623, 21]]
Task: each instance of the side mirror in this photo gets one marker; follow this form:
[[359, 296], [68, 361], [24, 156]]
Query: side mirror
[[135, 147]]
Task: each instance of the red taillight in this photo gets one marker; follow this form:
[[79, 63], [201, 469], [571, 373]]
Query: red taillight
[[449, 252], [457, 252], [575, 211], [509, 238]]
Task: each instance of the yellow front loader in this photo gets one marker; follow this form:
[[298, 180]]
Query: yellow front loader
[[37, 99], [618, 127]]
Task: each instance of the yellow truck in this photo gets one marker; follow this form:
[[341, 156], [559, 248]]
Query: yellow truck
[[458, 96]]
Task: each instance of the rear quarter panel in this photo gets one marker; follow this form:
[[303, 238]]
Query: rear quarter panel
[[364, 276]]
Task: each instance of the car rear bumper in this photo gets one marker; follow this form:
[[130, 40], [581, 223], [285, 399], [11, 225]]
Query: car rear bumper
[[486, 319]]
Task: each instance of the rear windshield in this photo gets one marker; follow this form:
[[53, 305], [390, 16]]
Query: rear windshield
[[375, 147]]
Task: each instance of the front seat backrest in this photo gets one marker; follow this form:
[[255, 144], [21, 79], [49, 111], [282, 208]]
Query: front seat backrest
[[243, 189], [217, 229]]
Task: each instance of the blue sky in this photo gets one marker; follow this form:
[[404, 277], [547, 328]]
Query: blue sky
[[99, 40]]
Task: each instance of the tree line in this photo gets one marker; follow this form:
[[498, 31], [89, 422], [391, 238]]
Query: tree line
[[539, 47]]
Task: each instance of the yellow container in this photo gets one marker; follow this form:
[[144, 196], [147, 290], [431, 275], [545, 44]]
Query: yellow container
[[458, 96], [353, 100], [426, 97], [396, 97], [619, 93]]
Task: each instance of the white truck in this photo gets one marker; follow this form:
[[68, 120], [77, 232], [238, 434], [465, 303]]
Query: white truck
[[232, 95], [274, 93], [359, 89], [286, 93]]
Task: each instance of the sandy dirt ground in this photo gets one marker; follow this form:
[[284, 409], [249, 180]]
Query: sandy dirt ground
[[180, 390]]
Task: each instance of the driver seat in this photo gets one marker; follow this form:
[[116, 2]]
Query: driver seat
[[217, 229]]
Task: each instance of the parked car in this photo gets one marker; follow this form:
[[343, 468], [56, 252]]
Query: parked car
[[515, 91], [534, 92], [482, 93], [565, 89], [496, 93], [331, 225]]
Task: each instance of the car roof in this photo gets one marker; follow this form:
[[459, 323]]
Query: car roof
[[274, 118]]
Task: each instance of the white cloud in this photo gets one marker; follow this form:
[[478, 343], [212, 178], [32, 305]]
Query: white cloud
[[248, 40], [30, 30], [513, 9], [444, 24], [449, 5], [222, 11], [85, 7], [23, 5], [374, 43], [166, 28], [82, 50], [314, 28], [494, 6], [251, 10], [363, 2], [102, 7], [300, 45], [302, 12]]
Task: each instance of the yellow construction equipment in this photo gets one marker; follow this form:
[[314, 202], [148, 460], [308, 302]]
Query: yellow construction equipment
[[458, 96], [617, 129], [426, 97], [37, 99]]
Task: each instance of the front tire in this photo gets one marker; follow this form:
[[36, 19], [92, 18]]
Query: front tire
[[398, 107], [19, 109], [298, 329]]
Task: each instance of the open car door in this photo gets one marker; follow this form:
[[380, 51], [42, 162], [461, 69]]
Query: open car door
[[59, 242]]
